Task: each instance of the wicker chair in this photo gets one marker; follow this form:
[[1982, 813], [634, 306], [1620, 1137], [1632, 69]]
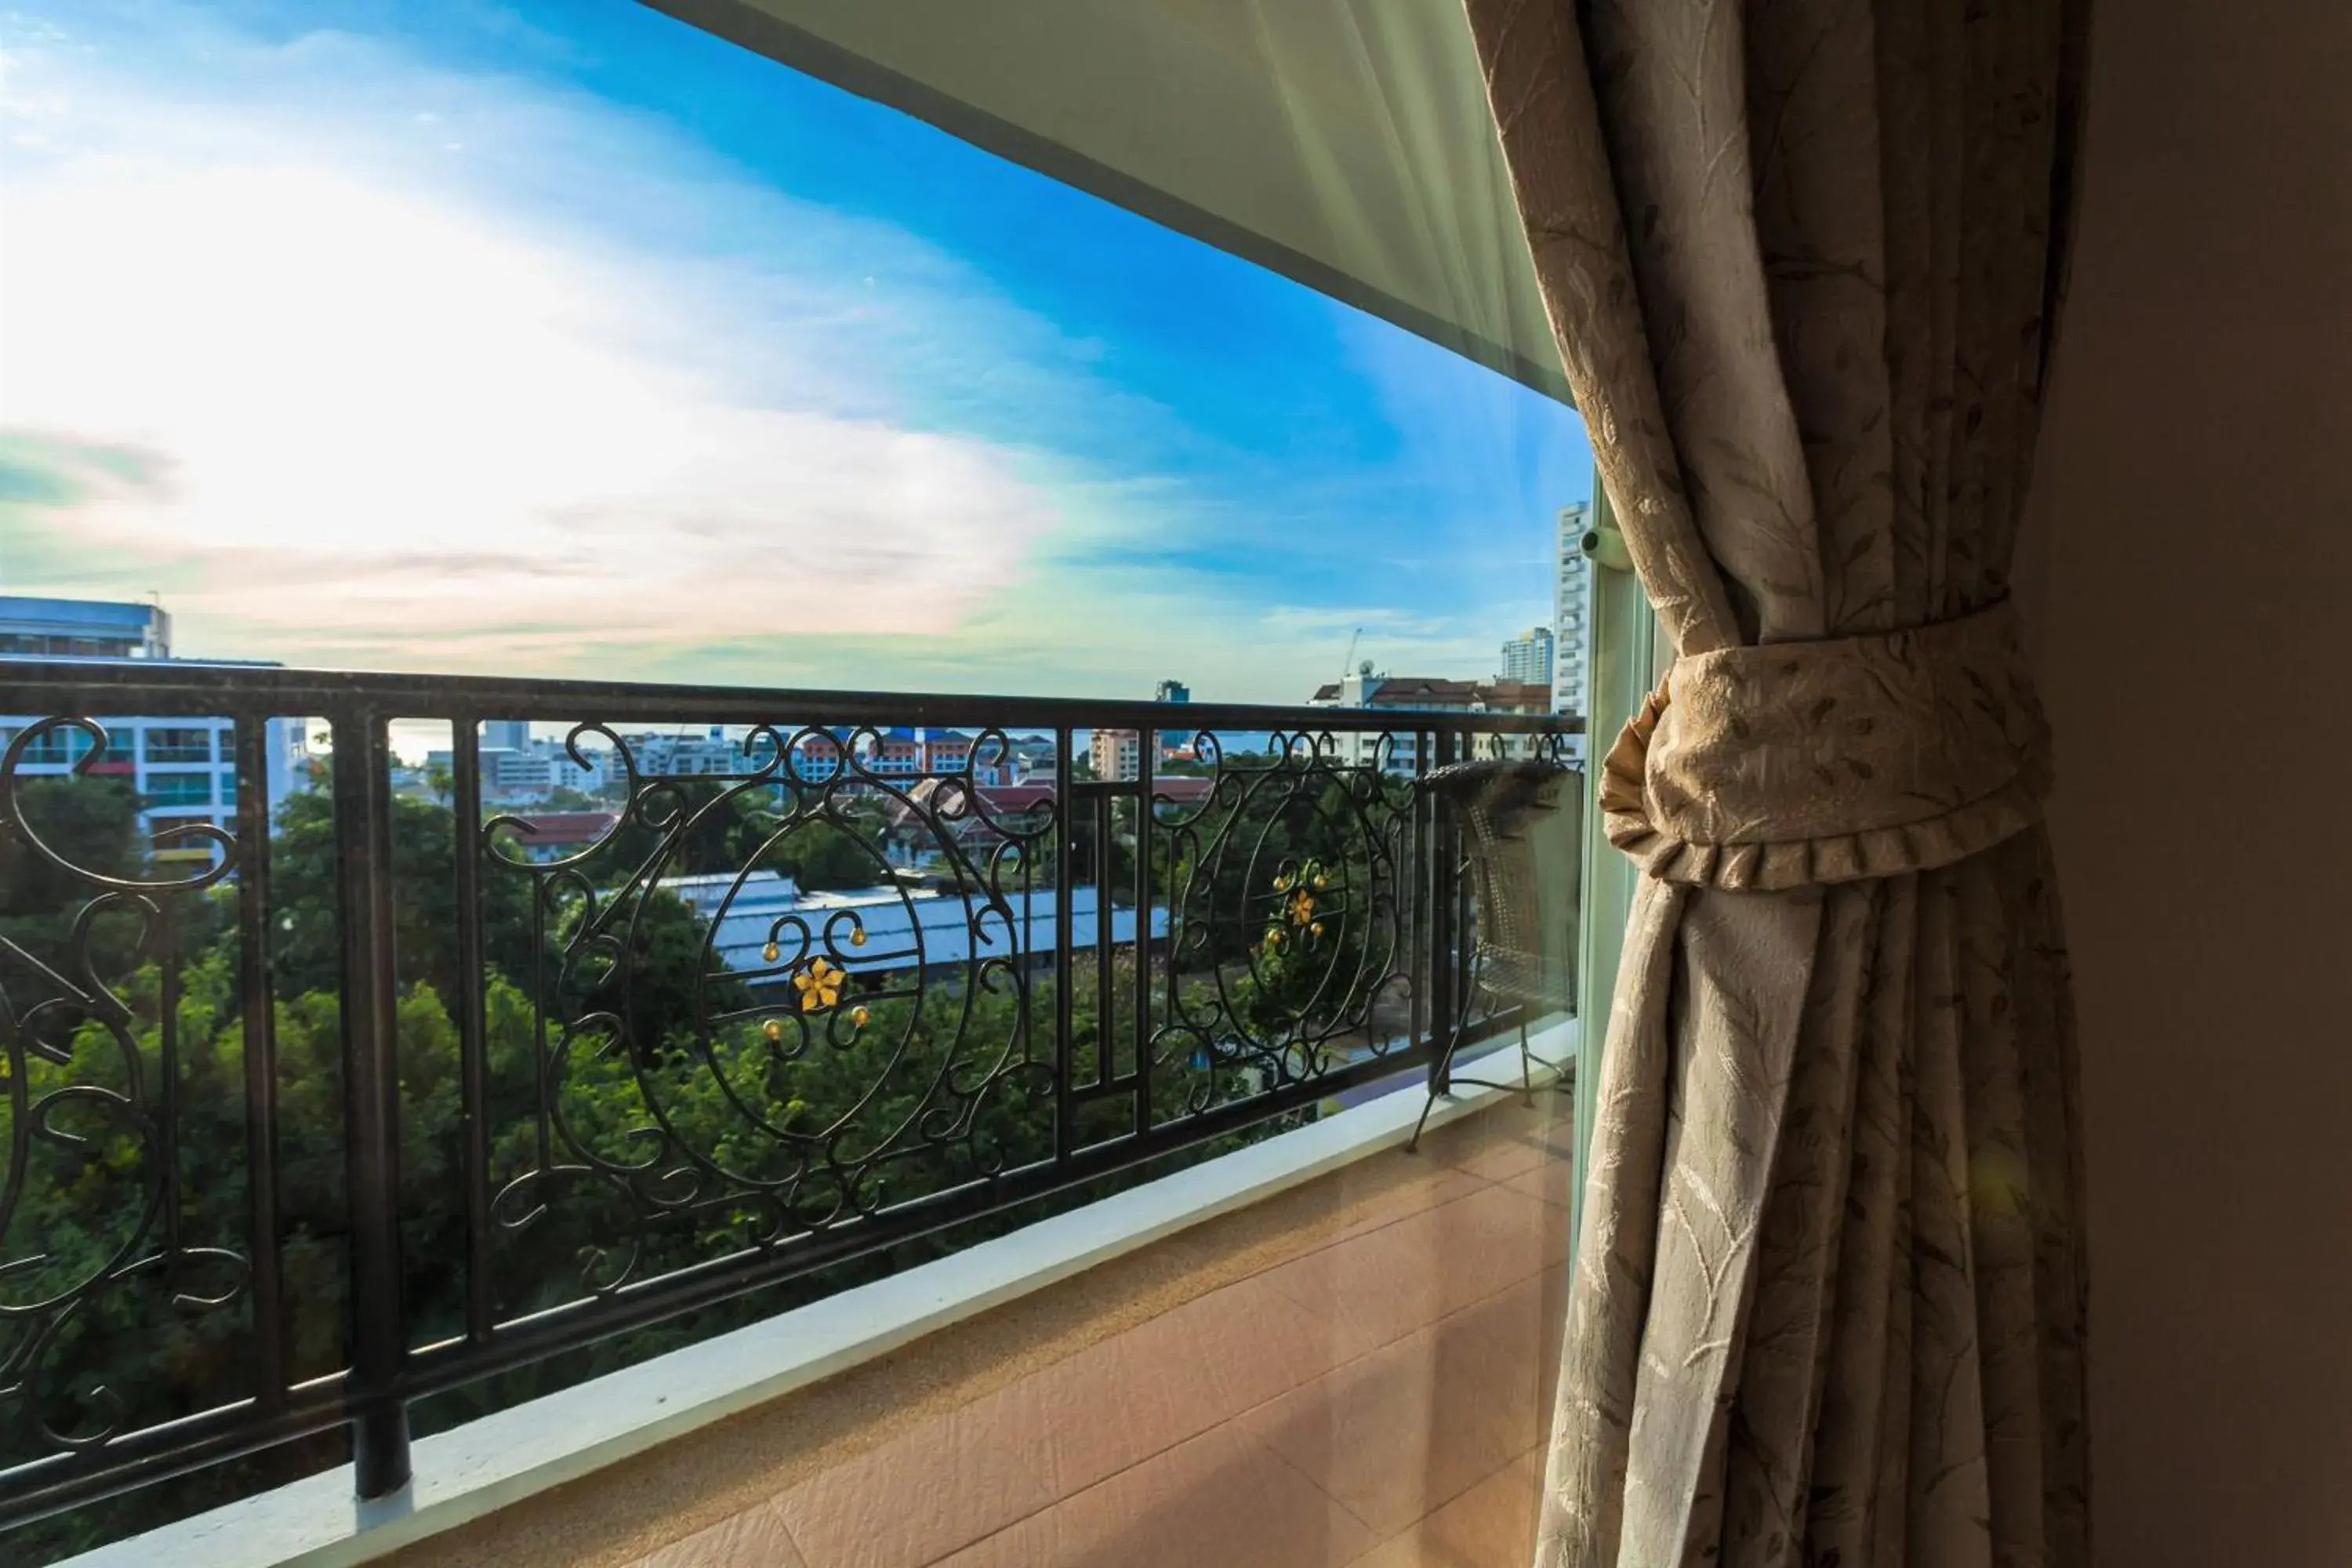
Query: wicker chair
[[1521, 824]]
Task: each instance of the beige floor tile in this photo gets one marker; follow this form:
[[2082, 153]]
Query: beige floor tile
[[1492, 1525], [1404, 1276], [1515, 1141], [1216, 1356], [919, 1495], [1400, 1433], [1059, 1431], [1442, 1184], [756, 1538], [1219, 1500], [1550, 1182]]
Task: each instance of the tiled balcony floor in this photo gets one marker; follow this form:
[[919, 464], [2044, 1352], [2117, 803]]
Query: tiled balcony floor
[[1378, 1398]]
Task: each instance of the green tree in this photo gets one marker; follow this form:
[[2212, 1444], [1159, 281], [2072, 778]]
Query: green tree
[[92, 824], [306, 879], [824, 855]]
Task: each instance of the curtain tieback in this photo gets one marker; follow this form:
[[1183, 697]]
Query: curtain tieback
[[1794, 764]]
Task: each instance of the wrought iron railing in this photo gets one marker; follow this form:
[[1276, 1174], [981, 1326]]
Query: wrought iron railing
[[376, 1087]]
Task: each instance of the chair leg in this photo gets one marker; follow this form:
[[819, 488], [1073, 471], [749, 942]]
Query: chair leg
[[1444, 1072], [1527, 1065]]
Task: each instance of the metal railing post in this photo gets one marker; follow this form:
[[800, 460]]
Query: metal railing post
[[1065, 822], [253, 808], [1444, 874], [379, 1415]]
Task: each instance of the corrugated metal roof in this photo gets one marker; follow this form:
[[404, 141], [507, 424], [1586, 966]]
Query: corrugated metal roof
[[902, 929]]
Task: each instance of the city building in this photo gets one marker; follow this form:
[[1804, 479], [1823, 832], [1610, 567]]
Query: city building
[[536, 770], [913, 754], [1528, 696], [709, 754], [1173, 741], [82, 629], [885, 755], [183, 767], [1116, 755], [518, 768], [816, 756], [1527, 657], [1399, 750], [1571, 605], [1031, 755]]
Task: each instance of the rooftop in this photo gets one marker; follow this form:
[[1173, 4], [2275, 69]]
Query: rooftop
[[80, 614], [564, 827], [1438, 692]]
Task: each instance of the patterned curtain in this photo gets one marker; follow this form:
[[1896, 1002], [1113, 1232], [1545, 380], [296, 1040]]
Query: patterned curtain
[[1803, 260]]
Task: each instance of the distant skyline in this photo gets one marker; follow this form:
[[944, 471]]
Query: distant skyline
[[560, 338]]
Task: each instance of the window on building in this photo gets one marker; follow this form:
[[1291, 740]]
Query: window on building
[[51, 747], [64, 745], [180, 789], [179, 745]]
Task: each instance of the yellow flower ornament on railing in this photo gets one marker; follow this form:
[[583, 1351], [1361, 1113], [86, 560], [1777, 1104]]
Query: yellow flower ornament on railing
[[1298, 905], [819, 985]]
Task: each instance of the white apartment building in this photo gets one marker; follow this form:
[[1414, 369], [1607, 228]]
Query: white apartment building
[[1527, 657], [537, 769], [1398, 750], [688, 756], [518, 768], [1116, 755], [1572, 687], [183, 768]]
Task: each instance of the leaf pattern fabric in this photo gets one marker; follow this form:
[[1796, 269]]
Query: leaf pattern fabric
[[1803, 259], [1796, 763]]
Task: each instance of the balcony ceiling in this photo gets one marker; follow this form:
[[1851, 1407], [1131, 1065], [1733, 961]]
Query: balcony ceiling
[[1345, 143]]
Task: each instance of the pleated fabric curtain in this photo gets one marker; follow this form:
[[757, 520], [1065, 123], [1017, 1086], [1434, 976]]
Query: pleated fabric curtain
[[1802, 262]]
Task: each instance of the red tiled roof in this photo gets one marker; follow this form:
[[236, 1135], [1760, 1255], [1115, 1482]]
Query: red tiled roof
[[1003, 799], [1519, 696]]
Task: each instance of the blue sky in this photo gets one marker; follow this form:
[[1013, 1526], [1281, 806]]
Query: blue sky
[[558, 338]]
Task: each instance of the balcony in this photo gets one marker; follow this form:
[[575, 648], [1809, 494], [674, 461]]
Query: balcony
[[368, 1133]]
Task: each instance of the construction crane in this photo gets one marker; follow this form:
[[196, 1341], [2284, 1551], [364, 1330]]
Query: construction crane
[[1347, 664]]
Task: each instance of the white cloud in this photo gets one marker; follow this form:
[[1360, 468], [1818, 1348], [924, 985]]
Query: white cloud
[[411, 404], [367, 362]]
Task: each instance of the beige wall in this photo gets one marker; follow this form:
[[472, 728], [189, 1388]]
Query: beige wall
[[2196, 599]]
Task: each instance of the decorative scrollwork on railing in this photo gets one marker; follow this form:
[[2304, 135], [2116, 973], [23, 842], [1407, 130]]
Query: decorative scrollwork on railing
[[91, 1245], [819, 1058], [1291, 953]]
